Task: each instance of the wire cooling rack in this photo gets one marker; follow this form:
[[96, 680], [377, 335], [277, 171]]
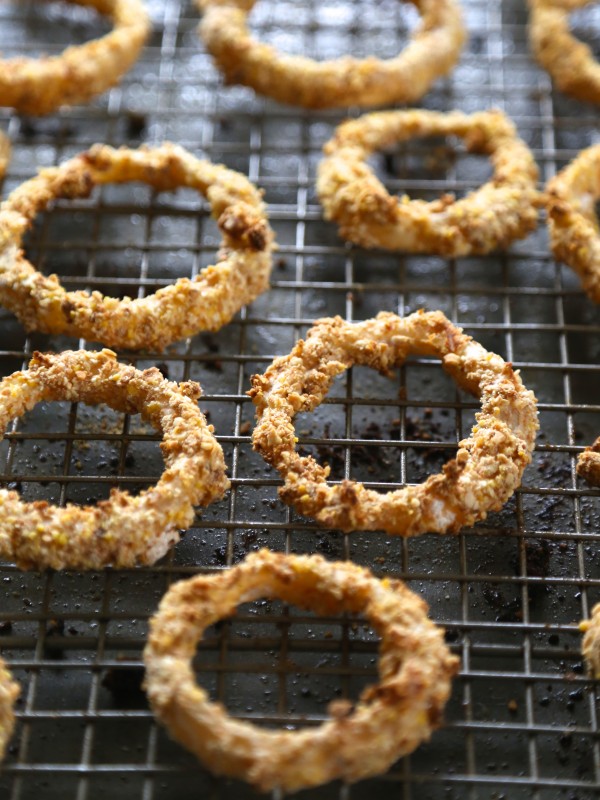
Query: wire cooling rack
[[522, 721]]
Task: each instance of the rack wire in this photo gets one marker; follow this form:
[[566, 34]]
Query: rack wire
[[523, 719]]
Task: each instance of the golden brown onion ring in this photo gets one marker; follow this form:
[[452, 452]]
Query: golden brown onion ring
[[123, 530], [588, 464], [9, 691], [182, 309], [40, 86], [4, 154], [487, 468], [433, 51], [570, 63], [389, 720], [591, 641], [501, 210], [572, 221]]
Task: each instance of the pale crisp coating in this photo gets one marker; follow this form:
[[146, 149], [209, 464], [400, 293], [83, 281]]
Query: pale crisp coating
[[591, 641], [4, 154], [9, 691], [588, 463], [40, 86], [488, 466], [182, 309], [124, 530], [390, 718], [500, 211], [572, 221], [433, 50], [570, 63]]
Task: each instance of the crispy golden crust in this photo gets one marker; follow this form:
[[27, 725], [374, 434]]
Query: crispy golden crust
[[123, 530], [205, 303], [588, 464], [389, 720], [570, 63], [487, 468], [40, 86], [591, 641], [4, 154], [570, 204], [9, 691], [432, 52], [500, 211]]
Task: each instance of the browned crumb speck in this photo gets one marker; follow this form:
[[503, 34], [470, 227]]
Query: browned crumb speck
[[588, 463], [124, 530], [182, 309], [390, 719], [488, 465], [500, 211]]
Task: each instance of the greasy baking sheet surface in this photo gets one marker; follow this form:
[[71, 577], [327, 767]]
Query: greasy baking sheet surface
[[522, 722]]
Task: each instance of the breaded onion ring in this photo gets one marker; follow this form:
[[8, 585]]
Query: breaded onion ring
[[588, 464], [40, 86], [569, 62], [572, 221], [9, 691], [4, 154], [389, 720], [591, 641], [501, 210], [487, 468], [123, 530], [182, 309], [432, 51]]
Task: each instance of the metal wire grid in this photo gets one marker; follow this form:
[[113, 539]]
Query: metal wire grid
[[523, 720]]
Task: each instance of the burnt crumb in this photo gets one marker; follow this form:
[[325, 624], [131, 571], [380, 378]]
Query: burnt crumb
[[225, 123], [28, 128], [129, 460], [163, 368], [281, 264], [554, 640], [136, 125], [210, 343], [55, 629], [450, 637], [5, 627], [326, 546], [125, 686], [220, 554], [245, 428], [537, 557], [506, 610], [249, 538]]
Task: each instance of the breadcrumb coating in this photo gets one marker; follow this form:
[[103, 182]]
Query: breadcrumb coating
[[123, 530], [432, 51], [9, 691], [488, 466], [5, 151], [591, 641], [182, 309], [569, 62], [572, 221], [588, 463], [500, 211], [390, 719], [39, 86]]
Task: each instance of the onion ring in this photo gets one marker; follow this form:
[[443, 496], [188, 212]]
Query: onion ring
[[569, 62], [124, 530], [432, 52], [501, 210], [182, 309], [5, 150], [389, 720], [591, 641], [40, 86], [9, 691], [572, 220], [487, 468], [588, 463]]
